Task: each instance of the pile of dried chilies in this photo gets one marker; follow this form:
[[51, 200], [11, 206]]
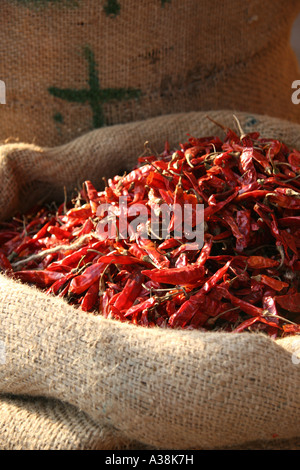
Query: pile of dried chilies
[[244, 277]]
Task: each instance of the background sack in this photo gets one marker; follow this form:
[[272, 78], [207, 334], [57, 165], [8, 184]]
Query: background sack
[[70, 66], [162, 389]]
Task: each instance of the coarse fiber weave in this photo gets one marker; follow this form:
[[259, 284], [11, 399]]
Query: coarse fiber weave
[[70, 66], [90, 382]]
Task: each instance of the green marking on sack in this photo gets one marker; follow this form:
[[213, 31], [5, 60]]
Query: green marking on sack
[[163, 2], [58, 117], [112, 8], [94, 95]]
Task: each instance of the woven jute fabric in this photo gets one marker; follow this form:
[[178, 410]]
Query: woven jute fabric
[[70, 66], [140, 387], [37, 423], [167, 389], [31, 173]]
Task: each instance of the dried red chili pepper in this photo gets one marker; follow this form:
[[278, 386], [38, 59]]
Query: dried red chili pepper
[[129, 294], [243, 221], [190, 306], [41, 278], [244, 306], [247, 267], [158, 258], [84, 212], [60, 233], [81, 283], [144, 305], [91, 195], [205, 250], [185, 275], [251, 321], [271, 282], [90, 298], [261, 262], [283, 198], [117, 258], [294, 160], [290, 302], [5, 264], [168, 244], [208, 211]]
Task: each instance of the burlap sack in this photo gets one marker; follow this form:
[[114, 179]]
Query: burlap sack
[[45, 424], [161, 389], [31, 173], [70, 66]]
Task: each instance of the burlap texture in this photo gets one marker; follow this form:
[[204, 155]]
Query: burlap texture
[[31, 173], [45, 424], [165, 389], [37, 423], [70, 66]]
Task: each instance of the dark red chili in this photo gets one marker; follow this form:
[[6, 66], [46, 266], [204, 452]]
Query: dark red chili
[[245, 274]]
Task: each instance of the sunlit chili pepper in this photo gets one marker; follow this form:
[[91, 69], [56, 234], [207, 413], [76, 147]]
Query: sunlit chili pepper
[[291, 329], [244, 277], [271, 282], [176, 276], [128, 295], [87, 227], [229, 219], [84, 211], [90, 298], [91, 196], [59, 284], [59, 232], [82, 282], [73, 260], [156, 180], [135, 309], [247, 166], [248, 195], [136, 175], [159, 259], [42, 278], [168, 244], [190, 306], [182, 260], [205, 251], [260, 262], [117, 258]]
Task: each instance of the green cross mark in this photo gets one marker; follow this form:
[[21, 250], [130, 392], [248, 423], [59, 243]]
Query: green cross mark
[[94, 95], [112, 8]]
